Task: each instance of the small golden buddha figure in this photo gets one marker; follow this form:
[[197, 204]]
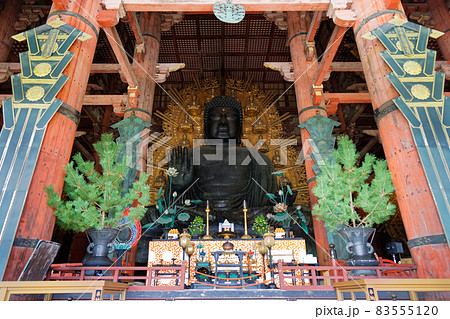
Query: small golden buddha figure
[[186, 125], [264, 148], [252, 108], [259, 127]]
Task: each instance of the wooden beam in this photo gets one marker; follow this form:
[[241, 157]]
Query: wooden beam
[[61, 5], [134, 24], [391, 4], [96, 67], [357, 111], [83, 150], [330, 52], [441, 16], [315, 23], [14, 67], [104, 99], [347, 97], [8, 17], [91, 99], [108, 18], [372, 142], [202, 6], [121, 55]]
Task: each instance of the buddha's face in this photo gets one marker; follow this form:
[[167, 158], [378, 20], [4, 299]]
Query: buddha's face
[[223, 123]]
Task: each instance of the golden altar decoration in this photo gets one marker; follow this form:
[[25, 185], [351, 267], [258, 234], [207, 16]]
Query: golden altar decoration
[[167, 252], [183, 123]]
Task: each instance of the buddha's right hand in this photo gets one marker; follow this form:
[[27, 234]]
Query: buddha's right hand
[[181, 161]]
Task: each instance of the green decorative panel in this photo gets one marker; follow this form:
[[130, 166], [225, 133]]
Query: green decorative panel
[[422, 101], [26, 116], [130, 130], [321, 139], [322, 146]]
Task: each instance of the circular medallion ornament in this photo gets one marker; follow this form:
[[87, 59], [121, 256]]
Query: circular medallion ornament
[[412, 67], [228, 12], [399, 45], [420, 92], [42, 69], [129, 232], [35, 93]]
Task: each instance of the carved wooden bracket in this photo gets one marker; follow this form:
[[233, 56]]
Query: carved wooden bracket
[[108, 18], [285, 68], [140, 51], [5, 74], [310, 49], [332, 106], [133, 95], [168, 20], [163, 70], [279, 17], [61, 5], [119, 109], [341, 16], [317, 93], [444, 67]]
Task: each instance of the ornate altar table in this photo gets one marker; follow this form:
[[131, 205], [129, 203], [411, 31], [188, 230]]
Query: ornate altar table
[[169, 251]]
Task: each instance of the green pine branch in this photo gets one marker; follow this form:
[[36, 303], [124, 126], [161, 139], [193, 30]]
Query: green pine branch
[[96, 200], [343, 187]]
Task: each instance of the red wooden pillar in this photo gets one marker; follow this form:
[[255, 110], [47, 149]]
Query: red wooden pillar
[[8, 16], [144, 67], [145, 71], [37, 220], [419, 213], [441, 16], [305, 71]]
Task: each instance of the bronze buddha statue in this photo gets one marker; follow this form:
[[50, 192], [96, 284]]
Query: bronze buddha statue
[[221, 171]]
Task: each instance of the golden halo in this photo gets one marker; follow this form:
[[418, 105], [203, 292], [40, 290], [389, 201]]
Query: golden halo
[[420, 92], [35, 93], [412, 67], [42, 69]]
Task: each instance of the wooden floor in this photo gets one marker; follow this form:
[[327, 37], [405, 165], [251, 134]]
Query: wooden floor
[[96, 289], [371, 287]]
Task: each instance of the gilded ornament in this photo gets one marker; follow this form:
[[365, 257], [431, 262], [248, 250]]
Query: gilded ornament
[[259, 127], [19, 37], [193, 108], [397, 21], [186, 126], [42, 69], [412, 67], [56, 23], [35, 93], [436, 34], [251, 109], [399, 45], [368, 36], [84, 37], [420, 92]]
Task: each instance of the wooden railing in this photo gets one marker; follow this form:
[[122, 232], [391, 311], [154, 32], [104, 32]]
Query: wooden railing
[[286, 277], [154, 278], [322, 277]]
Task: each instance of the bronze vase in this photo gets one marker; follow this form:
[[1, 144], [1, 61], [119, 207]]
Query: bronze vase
[[101, 245]]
